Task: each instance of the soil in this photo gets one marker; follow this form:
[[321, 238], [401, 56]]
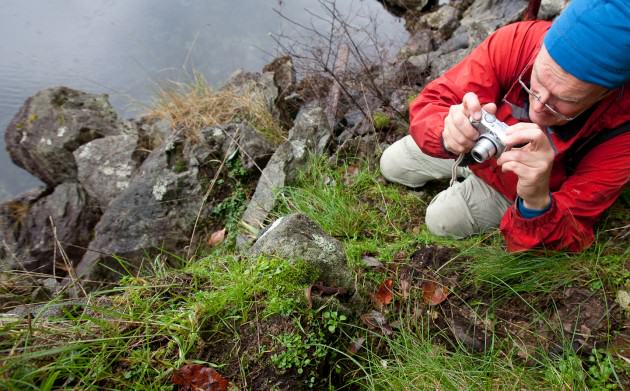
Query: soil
[[467, 318], [247, 360]]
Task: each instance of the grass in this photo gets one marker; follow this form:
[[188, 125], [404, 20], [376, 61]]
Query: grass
[[248, 316], [194, 105]]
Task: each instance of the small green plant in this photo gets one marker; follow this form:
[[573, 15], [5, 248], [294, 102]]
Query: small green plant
[[601, 372], [381, 120], [332, 320], [299, 353]]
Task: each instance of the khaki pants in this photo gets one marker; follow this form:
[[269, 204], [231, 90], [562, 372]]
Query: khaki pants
[[467, 208]]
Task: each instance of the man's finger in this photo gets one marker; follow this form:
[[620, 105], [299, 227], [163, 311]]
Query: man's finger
[[462, 123], [490, 108], [523, 133], [472, 107]]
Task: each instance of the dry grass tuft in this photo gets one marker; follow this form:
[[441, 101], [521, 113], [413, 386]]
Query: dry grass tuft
[[193, 106]]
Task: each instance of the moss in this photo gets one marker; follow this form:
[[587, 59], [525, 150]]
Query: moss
[[381, 120], [32, 118]]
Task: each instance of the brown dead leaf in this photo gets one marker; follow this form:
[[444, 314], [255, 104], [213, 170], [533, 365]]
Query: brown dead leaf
[[321, 290], [433, 293], [384, 295], [371, 261], [350, 174], [405, 288], [376, 321], [356, 345], [195, 377], [216, 238]]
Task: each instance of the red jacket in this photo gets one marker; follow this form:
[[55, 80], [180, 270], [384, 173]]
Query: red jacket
[[578, 198]]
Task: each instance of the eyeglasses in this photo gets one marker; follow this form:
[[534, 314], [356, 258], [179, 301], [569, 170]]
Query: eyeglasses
[[519, 112], [547, 106]]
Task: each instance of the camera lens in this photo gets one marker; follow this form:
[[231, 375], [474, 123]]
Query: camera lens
[[483, 150]]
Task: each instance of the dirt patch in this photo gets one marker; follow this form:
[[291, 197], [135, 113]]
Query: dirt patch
[[246, 360], [576, 318]]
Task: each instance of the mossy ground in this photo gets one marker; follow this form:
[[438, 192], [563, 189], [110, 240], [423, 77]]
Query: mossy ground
[[500, 328]]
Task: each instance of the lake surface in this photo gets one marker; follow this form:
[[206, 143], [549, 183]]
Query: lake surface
[[126, 47]]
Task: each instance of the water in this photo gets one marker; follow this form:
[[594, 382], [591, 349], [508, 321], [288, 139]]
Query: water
[[125, 47]]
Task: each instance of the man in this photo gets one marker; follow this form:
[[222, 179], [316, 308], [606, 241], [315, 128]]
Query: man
[[563, 88]]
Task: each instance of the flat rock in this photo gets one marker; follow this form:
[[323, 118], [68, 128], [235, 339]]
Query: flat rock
[[105, 166]]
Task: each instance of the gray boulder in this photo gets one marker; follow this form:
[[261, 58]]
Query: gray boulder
[[151, 134], [418, 43], [445, 20], [105, 166], [310, 135], [51, 125], [549, 9], [410, 5], [27, 232], [254, 149], [296, 237], [160, 205], [260, 87], [485, 16]]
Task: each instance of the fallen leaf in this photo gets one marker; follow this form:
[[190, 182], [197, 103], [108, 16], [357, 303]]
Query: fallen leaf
[[376, 321], [356, 345], [404, 282], [350, 174], [324, 290], [384, 295], [321, 290], [370, 261], [216, 238], [623, 298], [196, 377], [433, 293]]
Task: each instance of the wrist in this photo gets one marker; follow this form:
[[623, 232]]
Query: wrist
[[537, 203]]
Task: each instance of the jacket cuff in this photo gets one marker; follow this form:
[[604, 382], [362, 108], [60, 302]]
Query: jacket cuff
[[528, 213]]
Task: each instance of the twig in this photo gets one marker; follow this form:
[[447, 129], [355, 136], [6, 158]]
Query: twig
[[71, 272], [333, 98]]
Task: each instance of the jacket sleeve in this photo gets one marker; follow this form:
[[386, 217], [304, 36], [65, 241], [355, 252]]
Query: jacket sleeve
[[490, 66], [576, 206]]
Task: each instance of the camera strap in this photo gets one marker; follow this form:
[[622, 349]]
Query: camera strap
[[454, 169]]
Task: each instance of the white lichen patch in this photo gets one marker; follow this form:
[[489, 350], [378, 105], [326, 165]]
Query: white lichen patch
[[46, 141], [323, 243], [85, 151], [160, 188], [109, 171], [122, 185], [24, 137], [124, 170], [61, 131]]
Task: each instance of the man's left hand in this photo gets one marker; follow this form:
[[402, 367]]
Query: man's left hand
[[532, 163]]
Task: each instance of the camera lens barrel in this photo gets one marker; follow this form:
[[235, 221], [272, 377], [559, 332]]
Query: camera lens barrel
[[483, 150]]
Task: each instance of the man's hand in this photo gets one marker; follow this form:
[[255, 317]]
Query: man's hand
[[532, 163], [459, 135]]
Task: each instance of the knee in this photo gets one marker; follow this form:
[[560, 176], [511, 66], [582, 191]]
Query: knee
[[445, 216], [388, 165]]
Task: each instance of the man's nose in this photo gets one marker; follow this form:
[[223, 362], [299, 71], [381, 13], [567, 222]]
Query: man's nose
[[537, 104]]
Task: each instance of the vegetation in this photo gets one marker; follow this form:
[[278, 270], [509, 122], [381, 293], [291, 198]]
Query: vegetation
[[248, 317], [195, 105]]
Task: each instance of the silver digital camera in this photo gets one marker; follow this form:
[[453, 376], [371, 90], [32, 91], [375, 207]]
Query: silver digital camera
[[491, 134]]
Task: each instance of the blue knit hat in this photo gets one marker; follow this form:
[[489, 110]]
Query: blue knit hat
[[591, 40]]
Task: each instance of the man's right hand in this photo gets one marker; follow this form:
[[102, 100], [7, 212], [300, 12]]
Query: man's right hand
[[459, 135]]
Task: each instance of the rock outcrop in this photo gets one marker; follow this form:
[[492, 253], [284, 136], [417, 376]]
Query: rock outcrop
[[52, 124], [296, 237]]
